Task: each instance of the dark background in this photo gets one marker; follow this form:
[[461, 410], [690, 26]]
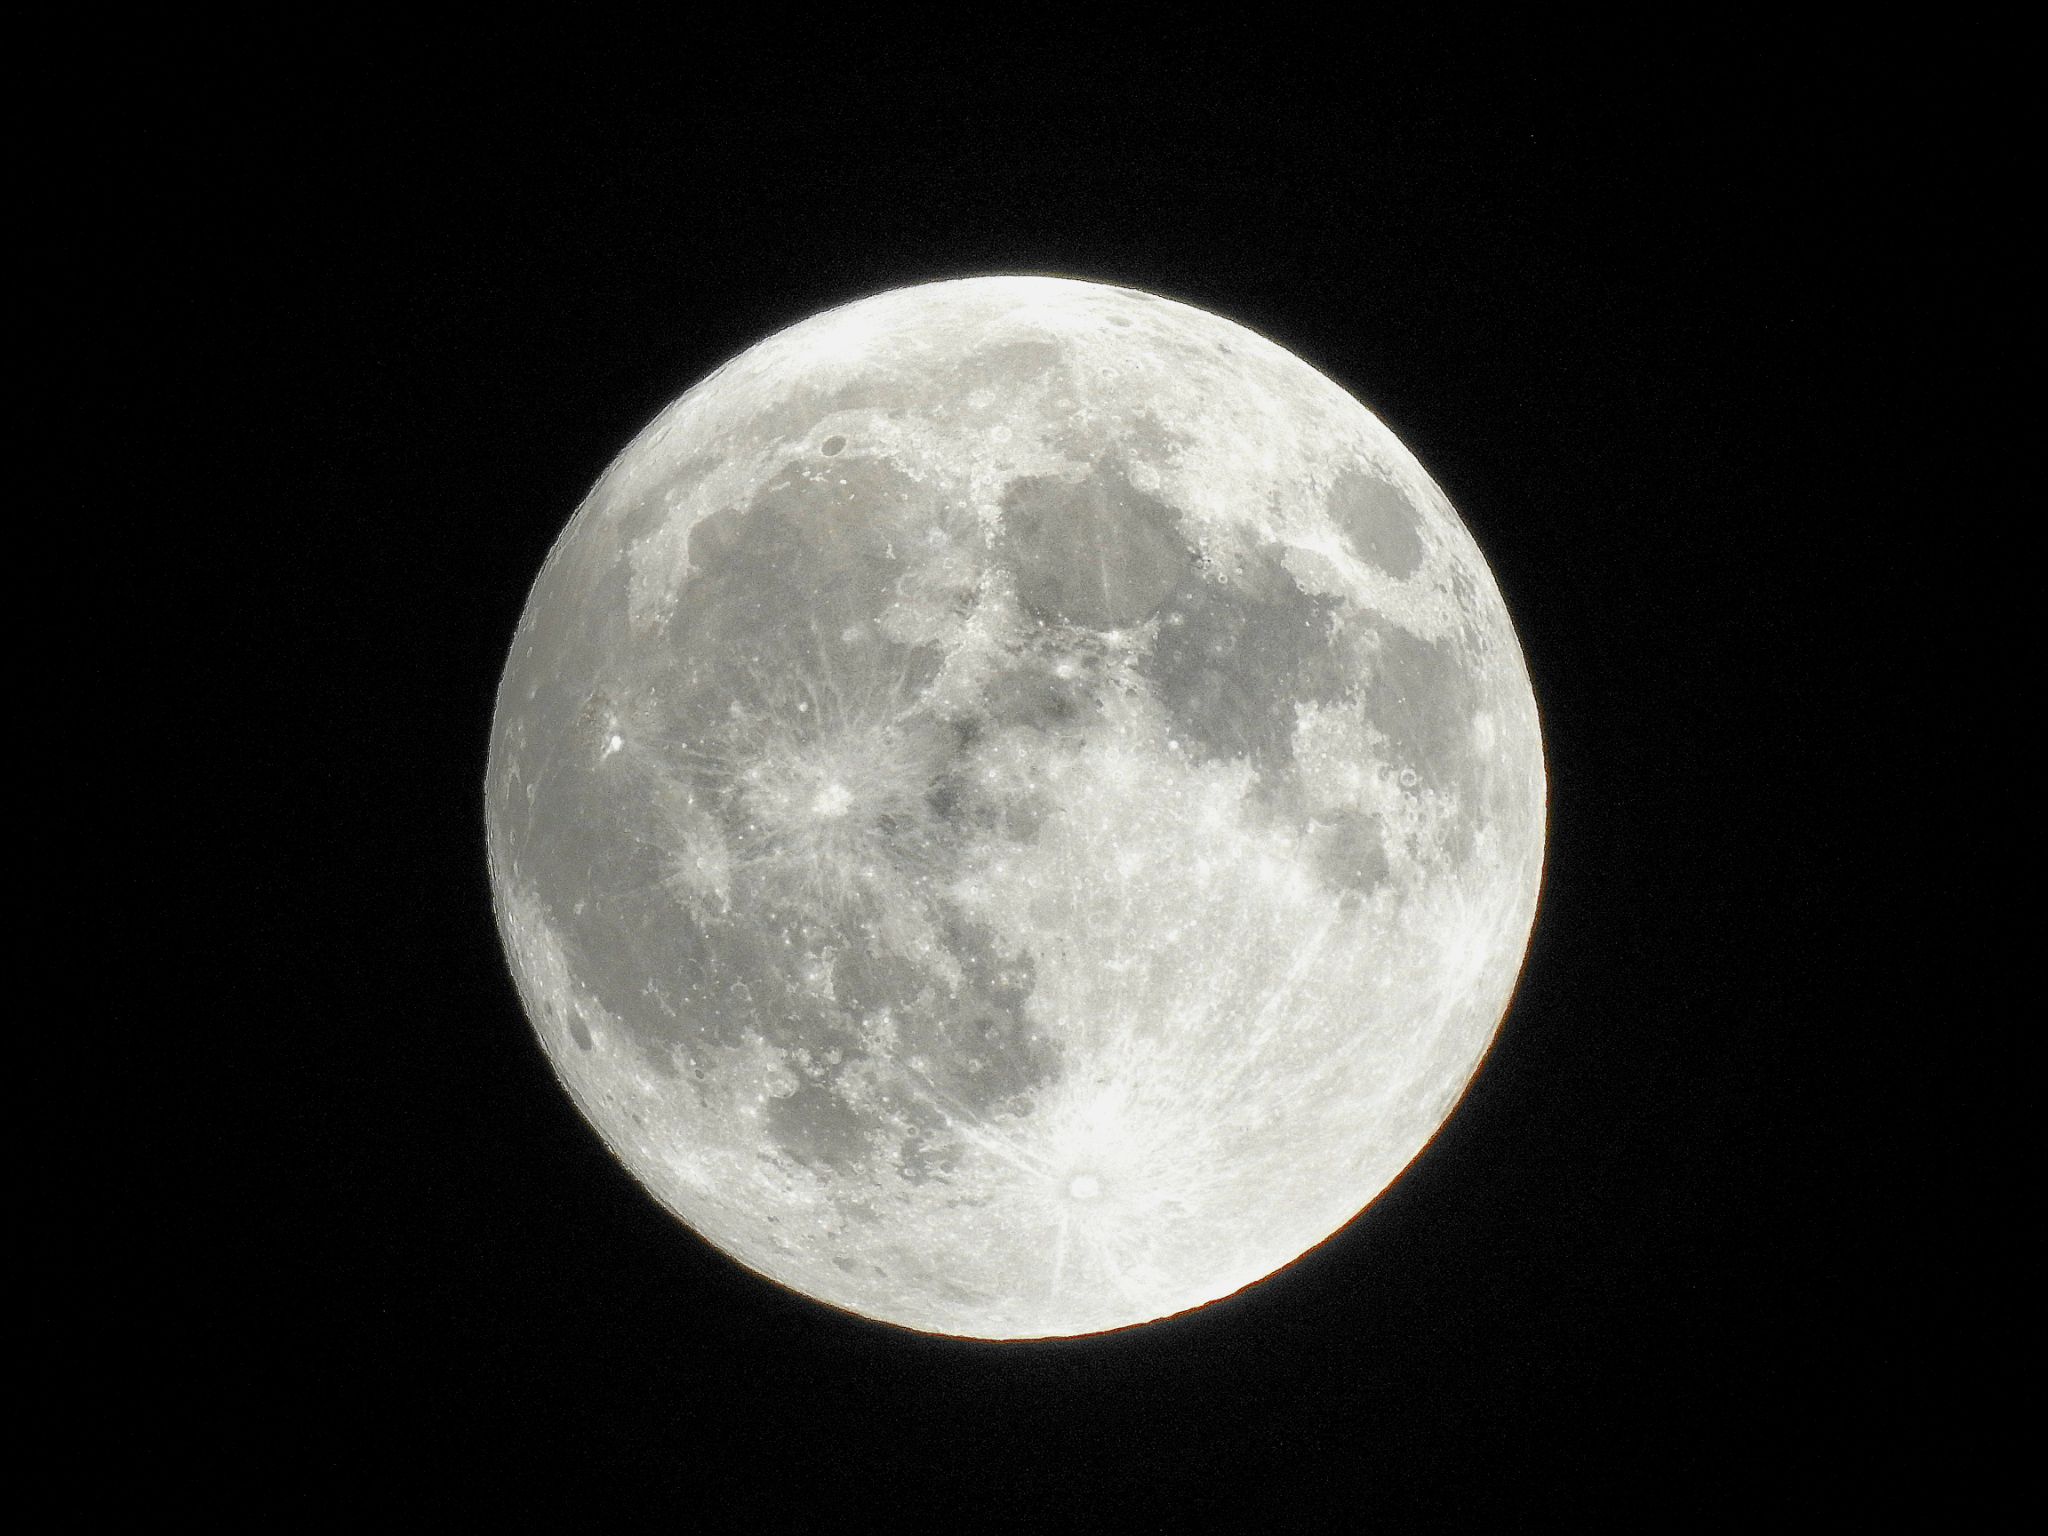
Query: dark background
[[1615, 289]]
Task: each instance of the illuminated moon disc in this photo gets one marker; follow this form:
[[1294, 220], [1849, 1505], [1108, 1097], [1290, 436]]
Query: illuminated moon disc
[[1015, 807]]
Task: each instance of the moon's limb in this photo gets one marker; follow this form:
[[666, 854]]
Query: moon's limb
[[1015, 807]]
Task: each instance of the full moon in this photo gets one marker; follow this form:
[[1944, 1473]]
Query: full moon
[[1015, 807]]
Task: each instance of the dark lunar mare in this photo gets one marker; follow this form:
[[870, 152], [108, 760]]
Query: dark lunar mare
[[1422, 696], [1236, 652], [775, 650], [1376, 519], [1100, 554]]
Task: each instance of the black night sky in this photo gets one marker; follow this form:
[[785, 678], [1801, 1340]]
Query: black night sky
[[1603, 285]]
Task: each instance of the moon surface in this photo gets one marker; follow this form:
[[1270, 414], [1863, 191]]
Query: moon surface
[[1015, 807]]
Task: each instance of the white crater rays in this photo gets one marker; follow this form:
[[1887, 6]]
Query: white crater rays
[[1015, 807]]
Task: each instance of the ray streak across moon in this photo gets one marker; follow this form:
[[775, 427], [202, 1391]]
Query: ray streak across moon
[[1015, 807]]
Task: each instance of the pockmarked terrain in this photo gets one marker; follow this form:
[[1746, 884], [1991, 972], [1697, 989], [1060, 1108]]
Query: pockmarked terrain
[[1015, 807]]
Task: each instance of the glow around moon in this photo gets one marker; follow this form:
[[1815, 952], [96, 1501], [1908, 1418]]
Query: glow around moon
[[1015, 807]]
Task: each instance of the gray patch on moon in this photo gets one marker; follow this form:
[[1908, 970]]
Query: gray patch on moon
[[655, 502], [1101, 554], [816, 1126], [1234, 657], [1351, 853], [796, 743], [793, 584], [1377, 521], [1422, 697], [1039, 698]]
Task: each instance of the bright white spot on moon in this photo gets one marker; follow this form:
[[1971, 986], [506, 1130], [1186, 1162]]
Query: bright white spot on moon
[[1015, 807]]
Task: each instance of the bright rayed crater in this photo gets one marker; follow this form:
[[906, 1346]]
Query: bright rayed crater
[[1015, 807]]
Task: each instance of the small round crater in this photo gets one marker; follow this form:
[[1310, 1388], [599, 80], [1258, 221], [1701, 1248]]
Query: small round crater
[[578, 1033], [1120, 320], [1085, 1186], [832, 445]]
